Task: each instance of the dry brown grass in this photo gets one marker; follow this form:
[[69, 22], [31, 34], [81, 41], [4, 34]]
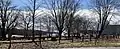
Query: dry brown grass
[[63, 44]]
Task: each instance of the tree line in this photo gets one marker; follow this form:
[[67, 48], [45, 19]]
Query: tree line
[[60, 15]]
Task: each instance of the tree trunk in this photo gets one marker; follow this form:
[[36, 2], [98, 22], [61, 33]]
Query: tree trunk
[[9, 44], [40, 40], [82, 38], [60, 32], [90, 37], [98, 36], [72, 38], [9, 35], [3, 31], [68, 33], [33, 20], [33, 36]]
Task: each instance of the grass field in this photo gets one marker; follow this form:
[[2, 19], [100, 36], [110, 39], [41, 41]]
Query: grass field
[[63, 44]]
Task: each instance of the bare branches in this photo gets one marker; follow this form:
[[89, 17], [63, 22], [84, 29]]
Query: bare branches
[[104, 10], [25, 20], [61, 10], [8, 15], [33, 6]]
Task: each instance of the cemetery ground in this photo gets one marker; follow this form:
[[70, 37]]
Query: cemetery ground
[[47, 44]]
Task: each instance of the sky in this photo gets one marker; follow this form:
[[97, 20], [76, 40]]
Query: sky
[[18, 3], [85, 4], [21, 3], [85, 11]]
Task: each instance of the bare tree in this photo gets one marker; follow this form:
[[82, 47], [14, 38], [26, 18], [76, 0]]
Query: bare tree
[[81, 25], [25, 21], [8, 16], [33, 6], [59, 10], [104, 9], [73, 8], [76, 27]]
